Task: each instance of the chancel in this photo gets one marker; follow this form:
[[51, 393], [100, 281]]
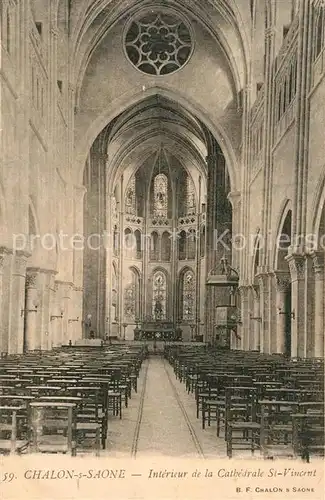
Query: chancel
[[162, 221]]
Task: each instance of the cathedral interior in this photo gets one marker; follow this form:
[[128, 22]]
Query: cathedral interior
[[162, 221]]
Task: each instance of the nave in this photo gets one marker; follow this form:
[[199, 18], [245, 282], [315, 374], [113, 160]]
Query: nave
[[118, 401]]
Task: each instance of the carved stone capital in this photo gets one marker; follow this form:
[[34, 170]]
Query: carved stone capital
[[318, 264], [282, 281], [31, 277], [297, 264]]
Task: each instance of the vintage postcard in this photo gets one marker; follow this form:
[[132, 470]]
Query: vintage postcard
[[162, 225]]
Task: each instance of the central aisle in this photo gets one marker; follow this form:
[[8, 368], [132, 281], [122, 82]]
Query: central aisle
[[164, 429], [161, 420]]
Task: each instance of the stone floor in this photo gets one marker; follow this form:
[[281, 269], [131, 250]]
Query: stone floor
[[161, 420]]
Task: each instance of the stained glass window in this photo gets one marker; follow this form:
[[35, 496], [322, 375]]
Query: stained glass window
[[190, 196], [158, 43], [160, 195], [130, 198], [129, 302], [188, 296], [131, 298], [159, 296]]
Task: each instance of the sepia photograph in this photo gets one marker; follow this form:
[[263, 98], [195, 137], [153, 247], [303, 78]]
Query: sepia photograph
[[162, 243]]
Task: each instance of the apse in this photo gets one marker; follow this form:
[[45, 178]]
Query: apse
[[146, 180]]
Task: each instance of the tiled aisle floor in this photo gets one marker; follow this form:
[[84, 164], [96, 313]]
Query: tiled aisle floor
[[163, 428]]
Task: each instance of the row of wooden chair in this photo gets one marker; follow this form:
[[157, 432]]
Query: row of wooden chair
[[60, 401], [264, 402]]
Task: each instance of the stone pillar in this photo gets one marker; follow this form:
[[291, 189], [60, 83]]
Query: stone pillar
[[56, 316], [255, 319], [94, 265], [197, 264], [302, 126], [268, 143], [235, 198], [263, 280], [214, 227], [78, 258], [32, 334], [309, 306], [211, 160], [318, 341], [241, 206], [17, 303], [3, 334], [76, 325], [283, 284], [297, 271], [5, 279], [46, 278], [245, 325], [121, 261], [64, 292]]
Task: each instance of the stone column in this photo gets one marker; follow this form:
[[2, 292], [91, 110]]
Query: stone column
[[121, 261], [17, 303], [268, 142], [309, 306], [64, 291], [263, 281], [210, 250], [235, 199], [5, 255], [283, 284], [198, 262], [32, 334], [318, 341], [255, 319], [78, 257], [56, 321], [3, 347], [297, 271], [302, 127], [241, 205], [243, 342], [76, 326], [214, 227], [46, 278]]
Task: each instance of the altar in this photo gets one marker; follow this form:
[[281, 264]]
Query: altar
[[158, 330]]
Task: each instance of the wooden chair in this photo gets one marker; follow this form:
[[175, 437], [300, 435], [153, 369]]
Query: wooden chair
[[308, 434], [242, 431], [91, 416], [276, 427], [12, 418], [53, 427]]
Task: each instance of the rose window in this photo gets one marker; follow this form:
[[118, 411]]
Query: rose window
[[158, 43]]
